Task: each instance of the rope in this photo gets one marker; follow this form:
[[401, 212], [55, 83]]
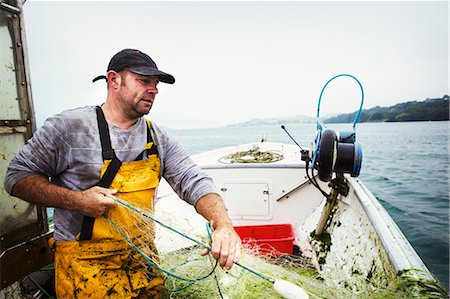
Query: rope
[[254, 155]]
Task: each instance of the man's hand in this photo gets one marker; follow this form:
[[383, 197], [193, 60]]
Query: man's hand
[[95, 201], [226, 246], [39, 190]]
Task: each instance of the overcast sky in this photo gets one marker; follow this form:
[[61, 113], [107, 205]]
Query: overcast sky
[[234, 61]]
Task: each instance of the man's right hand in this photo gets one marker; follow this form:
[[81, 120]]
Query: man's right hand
[[95, 201], [39, 190]]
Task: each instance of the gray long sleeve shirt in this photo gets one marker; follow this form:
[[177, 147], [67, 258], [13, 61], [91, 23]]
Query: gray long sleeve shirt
[[67, 149]]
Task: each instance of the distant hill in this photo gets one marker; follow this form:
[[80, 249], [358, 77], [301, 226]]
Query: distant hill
[[428, 110], [277, 121]]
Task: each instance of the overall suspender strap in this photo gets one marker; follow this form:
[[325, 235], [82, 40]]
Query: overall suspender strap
[[153, 150], [107, 178], [107, 151]]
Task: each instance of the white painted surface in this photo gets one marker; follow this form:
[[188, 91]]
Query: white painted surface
[[364, 237]]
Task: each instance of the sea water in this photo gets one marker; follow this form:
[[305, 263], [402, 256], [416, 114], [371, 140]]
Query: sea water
[[405, 165]]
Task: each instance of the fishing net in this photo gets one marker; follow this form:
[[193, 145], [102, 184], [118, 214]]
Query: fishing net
[[188, 274]]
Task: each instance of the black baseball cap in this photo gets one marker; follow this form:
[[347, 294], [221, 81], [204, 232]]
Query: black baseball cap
[[137, 62]]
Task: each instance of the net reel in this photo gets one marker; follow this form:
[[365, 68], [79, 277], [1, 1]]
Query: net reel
[[336, 152]]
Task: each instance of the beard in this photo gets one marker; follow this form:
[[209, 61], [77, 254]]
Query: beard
[[137, 107], [135, 102]]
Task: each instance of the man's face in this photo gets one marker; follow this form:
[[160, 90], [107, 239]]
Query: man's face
[[137, 93]]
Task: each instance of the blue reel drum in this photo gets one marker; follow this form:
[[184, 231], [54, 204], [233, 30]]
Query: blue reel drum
[[337, 153]]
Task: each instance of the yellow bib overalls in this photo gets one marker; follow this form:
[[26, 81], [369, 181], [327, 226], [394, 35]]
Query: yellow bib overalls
[[101, 264]]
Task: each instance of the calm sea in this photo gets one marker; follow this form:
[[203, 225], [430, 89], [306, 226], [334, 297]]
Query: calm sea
[[405, 165]]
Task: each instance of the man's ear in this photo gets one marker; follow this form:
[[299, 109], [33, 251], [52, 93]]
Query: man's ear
[[114, 79]]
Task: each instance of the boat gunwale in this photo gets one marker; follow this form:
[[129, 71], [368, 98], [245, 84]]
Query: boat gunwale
[[401, 253]]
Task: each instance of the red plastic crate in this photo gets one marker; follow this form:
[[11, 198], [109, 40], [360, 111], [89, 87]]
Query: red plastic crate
[[272, 239]]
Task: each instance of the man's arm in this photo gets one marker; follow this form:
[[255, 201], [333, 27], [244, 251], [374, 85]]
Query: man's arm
[[39, 190], [46, 155], [197, 188], [226, 244]]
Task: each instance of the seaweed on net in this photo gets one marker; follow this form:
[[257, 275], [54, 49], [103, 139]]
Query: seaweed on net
[[237, 282], [188, 274]]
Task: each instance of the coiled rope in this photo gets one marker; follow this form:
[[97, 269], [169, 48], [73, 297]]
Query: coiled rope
[[254, 155]]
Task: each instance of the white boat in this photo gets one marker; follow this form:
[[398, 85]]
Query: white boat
[[362, 243]]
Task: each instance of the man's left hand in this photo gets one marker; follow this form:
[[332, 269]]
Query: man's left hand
[[226, 246]]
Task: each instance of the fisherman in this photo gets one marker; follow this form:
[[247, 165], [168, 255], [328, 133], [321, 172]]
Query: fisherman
[[81, 160]]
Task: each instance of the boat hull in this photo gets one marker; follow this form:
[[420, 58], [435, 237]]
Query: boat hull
[[361, 247]]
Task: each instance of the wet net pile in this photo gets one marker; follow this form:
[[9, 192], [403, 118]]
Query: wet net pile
[[187, 274], [190, 275]]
